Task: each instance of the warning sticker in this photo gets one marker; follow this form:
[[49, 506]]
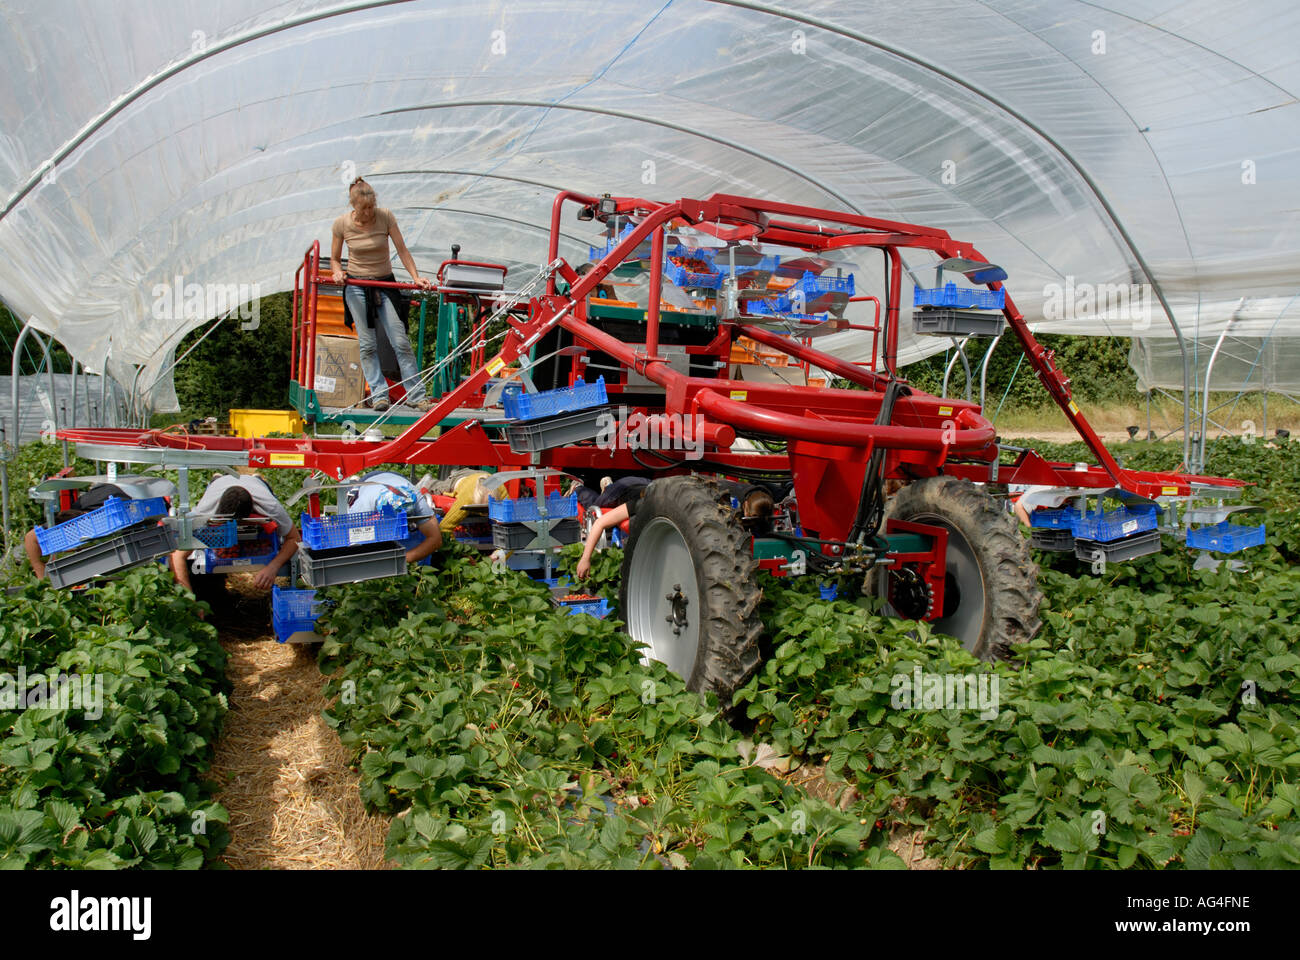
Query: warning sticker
[[287, 460], [1074, 407], [739, 394], [945, 411], [496, 365], [361, 535], [1168, 491]]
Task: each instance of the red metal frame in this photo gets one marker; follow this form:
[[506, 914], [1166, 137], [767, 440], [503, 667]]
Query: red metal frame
[[831, 433]]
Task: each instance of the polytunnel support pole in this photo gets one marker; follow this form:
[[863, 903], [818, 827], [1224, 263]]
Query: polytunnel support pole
[[4, 489]]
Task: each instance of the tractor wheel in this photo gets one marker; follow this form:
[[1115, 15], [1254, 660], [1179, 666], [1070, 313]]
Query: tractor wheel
[[991, 593], [689, 592]]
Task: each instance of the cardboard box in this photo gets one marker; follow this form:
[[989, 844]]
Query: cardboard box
[[339, 382]]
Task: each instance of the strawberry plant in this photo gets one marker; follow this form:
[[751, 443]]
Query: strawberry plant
[[502, 732], [116, 782]]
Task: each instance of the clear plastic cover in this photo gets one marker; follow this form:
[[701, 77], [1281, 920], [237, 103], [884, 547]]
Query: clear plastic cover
[[212, 142]]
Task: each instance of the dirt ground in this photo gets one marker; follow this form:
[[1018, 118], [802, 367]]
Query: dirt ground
[[293, 801]]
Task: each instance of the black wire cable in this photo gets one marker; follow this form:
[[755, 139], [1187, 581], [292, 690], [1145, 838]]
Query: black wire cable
[[871, 501]]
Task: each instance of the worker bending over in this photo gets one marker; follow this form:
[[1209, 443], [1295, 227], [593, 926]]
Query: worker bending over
[[92, 498], [234, 498], [392, 490]]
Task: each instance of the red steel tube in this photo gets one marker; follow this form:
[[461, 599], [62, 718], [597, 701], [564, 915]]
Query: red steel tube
[[891, 315], [553, 246], [310, 339], [838, 432], [293, 327], [656, 289]]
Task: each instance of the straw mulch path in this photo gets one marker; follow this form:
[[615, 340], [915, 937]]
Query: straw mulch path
[[293, 801]]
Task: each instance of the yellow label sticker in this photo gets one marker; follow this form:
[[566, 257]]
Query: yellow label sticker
[[287, 459], [496, 365], [1074, 407], [739, 394], [945, 411], [1168, 491]]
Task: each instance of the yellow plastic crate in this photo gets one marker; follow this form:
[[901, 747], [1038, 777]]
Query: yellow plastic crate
[[258, 423]]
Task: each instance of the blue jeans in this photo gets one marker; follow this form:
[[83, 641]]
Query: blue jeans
[[355, 298]]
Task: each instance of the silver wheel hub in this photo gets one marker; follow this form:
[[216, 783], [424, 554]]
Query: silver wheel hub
[[663, 597]]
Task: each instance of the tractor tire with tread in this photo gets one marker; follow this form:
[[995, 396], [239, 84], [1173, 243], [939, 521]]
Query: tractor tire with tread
[[689, 515], [1007, 578]]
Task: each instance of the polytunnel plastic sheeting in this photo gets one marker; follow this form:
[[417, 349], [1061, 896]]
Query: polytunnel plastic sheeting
[[212, 141], [1245, 364]]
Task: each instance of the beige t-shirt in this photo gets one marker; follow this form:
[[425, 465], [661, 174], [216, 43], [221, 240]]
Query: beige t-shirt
[[367, 249]]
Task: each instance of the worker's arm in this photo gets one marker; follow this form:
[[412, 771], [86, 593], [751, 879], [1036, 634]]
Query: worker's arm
[[180, 563], [1021, 513], [266, 576], [336, 256], [405, 256], [34, 555], [610, 518], [432, 541]]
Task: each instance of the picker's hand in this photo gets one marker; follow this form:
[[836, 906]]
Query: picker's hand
[[337, 276], [265, 578], [424, 283], [583, 569]]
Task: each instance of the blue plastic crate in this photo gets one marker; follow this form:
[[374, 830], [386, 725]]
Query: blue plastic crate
[[951, 295], [1062, 518], [114, 515], [815, 286], [828, 592], [781, 306], [353, 529], [765, 264], [691, 278], [294, 604], [510, 511], [1225, 537], [217, 534], [530, 406], [640, 252], [1115, 525], [268, 545], [597, 608]]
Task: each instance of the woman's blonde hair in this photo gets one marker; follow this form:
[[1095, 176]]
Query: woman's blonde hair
[[359, 189]]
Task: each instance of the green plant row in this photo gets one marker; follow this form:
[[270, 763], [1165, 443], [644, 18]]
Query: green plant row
[[501, 732], [1151, 723], [114, 779]]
